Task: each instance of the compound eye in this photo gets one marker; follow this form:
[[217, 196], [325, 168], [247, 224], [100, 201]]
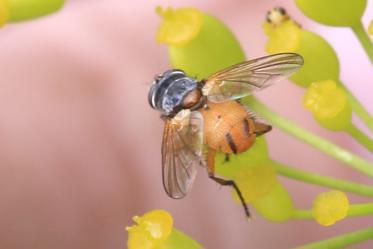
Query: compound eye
[[192, 98]]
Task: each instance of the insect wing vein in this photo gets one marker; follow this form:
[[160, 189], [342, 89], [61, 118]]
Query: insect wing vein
[[181, 154], [245, 78]]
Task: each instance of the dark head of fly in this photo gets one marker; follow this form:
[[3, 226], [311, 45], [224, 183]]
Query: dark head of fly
[[277, 16], [173, 91]]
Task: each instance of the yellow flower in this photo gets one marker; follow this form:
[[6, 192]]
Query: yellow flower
[[330, 207], [286, 35], [151, 228], [154, 230], [198, 43], [283, 37], [179, 26], [4, 12], [329, 104]]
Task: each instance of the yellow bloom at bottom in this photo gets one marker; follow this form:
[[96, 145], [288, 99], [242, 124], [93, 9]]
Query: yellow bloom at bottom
[[330, 207], [151, 228], [154, 230]]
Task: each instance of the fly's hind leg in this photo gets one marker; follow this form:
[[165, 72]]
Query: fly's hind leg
[[223, 182]]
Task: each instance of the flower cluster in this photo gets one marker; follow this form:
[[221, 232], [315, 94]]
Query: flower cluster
[[190, 36]]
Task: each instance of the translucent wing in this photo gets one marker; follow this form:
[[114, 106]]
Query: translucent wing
[[182, 148], [242, 79]]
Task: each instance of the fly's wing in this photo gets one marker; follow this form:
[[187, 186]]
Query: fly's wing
[[242, 79], [182, 148]]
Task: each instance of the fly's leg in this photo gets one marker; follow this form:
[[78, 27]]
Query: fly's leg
[[226, 158], [223, 182]]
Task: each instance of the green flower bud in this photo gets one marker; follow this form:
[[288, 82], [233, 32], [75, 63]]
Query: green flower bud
[[329, 105], [320, 60], [370, 28], [154, 230], [21, 10], [330, 207], [198, 43], [333, 12], [276, 205], [4, 12], [254, 182]]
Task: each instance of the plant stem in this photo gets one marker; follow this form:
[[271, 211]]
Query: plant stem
[[302, 214], [353, 211], [359, 109], [362, 138], [317, 142], [360, 209], [364, 39], [324, 181], [341, 240]]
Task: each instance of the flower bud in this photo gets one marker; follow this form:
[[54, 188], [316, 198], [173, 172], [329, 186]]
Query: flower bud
[[330, 207], [320, 60], [154, 230], [277, 205], [329, 105], [4, 12], [333, 12], [254, 182], [198, 43]]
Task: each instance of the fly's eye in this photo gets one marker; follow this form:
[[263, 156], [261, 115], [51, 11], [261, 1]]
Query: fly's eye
[[276, 16], [192, 98]]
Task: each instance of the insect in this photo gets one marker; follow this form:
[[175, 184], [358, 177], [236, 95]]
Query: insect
[[203, 117]]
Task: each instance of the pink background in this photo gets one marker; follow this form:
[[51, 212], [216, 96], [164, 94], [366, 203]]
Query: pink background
[[80, 147]]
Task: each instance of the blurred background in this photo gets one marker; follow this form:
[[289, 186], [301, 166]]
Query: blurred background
[[80, 147]]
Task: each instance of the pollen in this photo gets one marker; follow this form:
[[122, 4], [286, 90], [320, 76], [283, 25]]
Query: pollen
[[330, 207]]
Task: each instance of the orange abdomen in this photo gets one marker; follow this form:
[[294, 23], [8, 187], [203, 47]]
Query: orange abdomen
[[228, 127]]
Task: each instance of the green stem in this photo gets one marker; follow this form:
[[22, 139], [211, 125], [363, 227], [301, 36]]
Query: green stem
[[360, 209], [341, 240], [317, 142], [324, 181], [362, 138], [353, 211], [364, 39], [302, 214], [359, 109]]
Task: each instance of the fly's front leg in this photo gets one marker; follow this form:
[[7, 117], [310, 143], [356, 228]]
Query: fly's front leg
[[223, 182]]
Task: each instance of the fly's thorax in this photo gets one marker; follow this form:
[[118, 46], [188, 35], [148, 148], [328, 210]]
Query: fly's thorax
[[173, 91]]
